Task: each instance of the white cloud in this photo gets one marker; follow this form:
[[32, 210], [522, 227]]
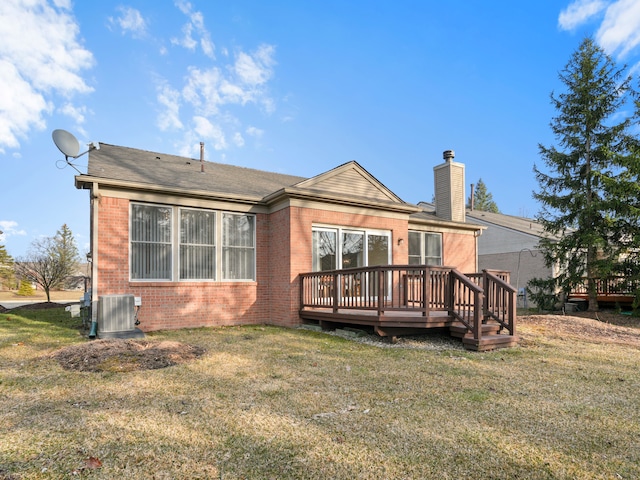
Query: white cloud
[[208, 90], [210, 96], [169, 99], [208, 131], [238, 140], [9, 229], [196, 27], [76, 113], [203, 90], [255, 132], [579, 12], [21, 106], [40, 57], [130, 21], [187, 40], [256, 69], [619, 32]]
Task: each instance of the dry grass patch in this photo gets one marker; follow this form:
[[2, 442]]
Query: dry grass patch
[[265, 402]]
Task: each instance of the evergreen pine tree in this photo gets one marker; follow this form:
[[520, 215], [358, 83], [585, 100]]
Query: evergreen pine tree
[[483, 199], [587, 170], [66, 250], [6, 268]]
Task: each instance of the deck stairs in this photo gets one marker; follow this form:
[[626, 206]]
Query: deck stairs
[[492, 337], [400, 300]]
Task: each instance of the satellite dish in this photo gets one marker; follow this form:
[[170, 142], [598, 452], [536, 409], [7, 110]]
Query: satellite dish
[[66, 143]]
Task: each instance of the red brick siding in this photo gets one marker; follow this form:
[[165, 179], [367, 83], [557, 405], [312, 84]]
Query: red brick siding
[[292, 251], [170, 305], [459, 251], [283, 251]]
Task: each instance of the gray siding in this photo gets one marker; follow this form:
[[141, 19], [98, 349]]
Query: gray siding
[[496, 239]]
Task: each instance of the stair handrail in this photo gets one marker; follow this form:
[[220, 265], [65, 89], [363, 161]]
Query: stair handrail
[[465, 297], [500, 301]]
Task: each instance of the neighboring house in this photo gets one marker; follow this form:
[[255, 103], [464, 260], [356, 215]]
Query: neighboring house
[[209, 244], [511, 243], [79, 279], [508, 243]]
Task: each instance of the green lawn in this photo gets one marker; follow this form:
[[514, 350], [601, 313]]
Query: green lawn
[[266, 402]]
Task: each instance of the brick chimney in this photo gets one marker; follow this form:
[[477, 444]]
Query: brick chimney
[[449, 188]]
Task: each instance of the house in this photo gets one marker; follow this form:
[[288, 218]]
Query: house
[[512, 243], [211, 244]]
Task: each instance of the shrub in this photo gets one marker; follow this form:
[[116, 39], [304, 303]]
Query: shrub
[[26, 289]]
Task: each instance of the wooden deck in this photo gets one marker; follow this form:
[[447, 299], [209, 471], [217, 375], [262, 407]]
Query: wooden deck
[[478, 308], [610, 291]]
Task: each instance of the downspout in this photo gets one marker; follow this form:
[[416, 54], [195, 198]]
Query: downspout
[[476, 235], [93, 241]]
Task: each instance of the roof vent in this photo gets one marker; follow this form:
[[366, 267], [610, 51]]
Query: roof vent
[[201, 157], [448, 155]]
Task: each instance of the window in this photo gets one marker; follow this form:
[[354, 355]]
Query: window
[[208, 245], [238, 250], [378, 249], [324, 250], [197, 245], [352, 249], [151, 242], [357, 248], [425, 248]]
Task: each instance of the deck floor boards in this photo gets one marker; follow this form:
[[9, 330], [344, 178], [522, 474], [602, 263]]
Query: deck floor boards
[[407, 319]]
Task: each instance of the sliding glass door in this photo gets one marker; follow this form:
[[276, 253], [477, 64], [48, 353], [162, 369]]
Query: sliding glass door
[[356, 248]]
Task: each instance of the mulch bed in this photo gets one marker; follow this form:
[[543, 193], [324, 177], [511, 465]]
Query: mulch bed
[[125, 355]]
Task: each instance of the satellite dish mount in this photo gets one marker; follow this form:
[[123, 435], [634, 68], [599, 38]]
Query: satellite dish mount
[[68, 144]]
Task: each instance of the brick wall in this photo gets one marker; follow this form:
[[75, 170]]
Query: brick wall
[[283, 251], [291, 252], [171, 305], [459, 251]]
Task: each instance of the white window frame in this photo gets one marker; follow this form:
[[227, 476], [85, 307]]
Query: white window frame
[[423, 246], [170, 243], [224, 247], [214, 245], [175, 244], [340, 230]]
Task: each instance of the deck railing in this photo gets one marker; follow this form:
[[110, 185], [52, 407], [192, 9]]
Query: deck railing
[[471, 299], [500, 300], [382, 288], [616, 285]]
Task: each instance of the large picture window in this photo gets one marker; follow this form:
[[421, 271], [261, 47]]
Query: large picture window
[[425, 248], [151, 242], [197, 245], [238, 247], [170, 243]]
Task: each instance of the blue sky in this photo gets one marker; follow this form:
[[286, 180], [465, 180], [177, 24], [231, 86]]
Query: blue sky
[[291, 87]]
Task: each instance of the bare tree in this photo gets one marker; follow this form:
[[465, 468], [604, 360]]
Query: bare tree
[[49, 261]]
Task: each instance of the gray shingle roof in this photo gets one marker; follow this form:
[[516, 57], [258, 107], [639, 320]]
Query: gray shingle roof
[[158, 169], [519, 224]]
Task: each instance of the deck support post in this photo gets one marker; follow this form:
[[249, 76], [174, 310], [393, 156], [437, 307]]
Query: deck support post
[[337, 288], [426, 300], [380, 292]]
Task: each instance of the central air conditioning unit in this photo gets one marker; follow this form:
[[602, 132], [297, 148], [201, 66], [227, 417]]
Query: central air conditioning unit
[[117, 317]]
